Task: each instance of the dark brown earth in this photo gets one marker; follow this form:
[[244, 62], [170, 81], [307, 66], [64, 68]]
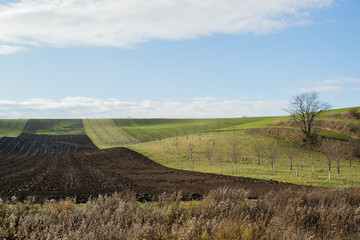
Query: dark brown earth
[[71, 166]]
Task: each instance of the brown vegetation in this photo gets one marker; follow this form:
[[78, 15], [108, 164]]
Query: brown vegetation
[[351, 114], [224, 213]]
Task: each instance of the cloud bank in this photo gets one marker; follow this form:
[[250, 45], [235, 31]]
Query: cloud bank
[[81, 107], [27, 24]]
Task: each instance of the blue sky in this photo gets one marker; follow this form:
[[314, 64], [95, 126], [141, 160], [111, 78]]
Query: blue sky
[[107, 58]]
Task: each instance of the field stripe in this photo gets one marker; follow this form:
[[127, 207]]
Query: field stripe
[[12, 127], [105, 134]]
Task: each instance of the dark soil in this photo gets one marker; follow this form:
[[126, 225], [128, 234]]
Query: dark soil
[[69, 166], [28, 144]]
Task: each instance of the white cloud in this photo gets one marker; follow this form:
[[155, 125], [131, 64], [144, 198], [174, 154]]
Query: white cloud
[[125, 23], [7, 50], [337, 84], [351, 80], [323, 89], [343, 80], [81, 107]]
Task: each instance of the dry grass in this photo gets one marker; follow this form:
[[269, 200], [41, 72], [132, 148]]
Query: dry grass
[[223, 214]]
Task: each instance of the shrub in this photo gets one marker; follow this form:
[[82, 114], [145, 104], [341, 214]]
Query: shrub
[[224, 213]]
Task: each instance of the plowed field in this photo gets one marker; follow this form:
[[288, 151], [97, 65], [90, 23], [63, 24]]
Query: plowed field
[[28, 144], [67, 166], [71, 166]]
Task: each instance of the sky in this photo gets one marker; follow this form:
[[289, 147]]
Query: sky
[[175, 59]]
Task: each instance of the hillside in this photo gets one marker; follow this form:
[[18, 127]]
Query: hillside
[[151, 129]]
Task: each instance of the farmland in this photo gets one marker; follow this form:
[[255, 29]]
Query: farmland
[[152, 129], [176, 153], [12, 127], [205, 178], [105, 134], [54, 127], [50, 167]]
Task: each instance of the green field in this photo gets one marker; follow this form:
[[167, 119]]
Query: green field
[[165, 153], [54, 127], [105, 134], [12, 127], [151, 129]]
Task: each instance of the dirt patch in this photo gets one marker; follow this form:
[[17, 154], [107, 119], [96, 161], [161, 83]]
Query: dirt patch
[[85, 171]]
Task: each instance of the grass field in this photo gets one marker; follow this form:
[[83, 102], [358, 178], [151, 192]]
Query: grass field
[[105, 134], [54, 127], [12, 127], [164, 152], [152, 129]]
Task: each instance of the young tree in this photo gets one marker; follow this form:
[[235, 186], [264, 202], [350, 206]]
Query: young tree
[[290, 154], [304, 108], [327, 150], [209, 152], [234, 151], [220, 155], [176, 143], [259, 149], [191, 150], [351, 149], [273, 152], [338, 152]]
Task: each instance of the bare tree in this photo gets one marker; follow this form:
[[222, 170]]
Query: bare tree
[[209, 153], [290, 154], [304, 108], [220, 156], [338, 152], [259, 150], [176, 143], [234, 151], [327, 149], [191, 150], [273, 152], [352, 146]]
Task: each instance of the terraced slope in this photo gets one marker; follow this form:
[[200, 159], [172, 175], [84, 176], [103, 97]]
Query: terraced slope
[[12, 127], [105, 134], [55, 127], [150, 129]]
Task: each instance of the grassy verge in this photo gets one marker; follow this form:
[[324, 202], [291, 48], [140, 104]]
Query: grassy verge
[[11, 127], [105, 134], [165, 153]]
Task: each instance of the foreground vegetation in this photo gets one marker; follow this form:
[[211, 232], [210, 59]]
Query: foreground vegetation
[[222, 214]]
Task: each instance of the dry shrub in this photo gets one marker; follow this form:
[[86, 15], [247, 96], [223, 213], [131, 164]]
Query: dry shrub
[[352, 114], [224, 213]]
